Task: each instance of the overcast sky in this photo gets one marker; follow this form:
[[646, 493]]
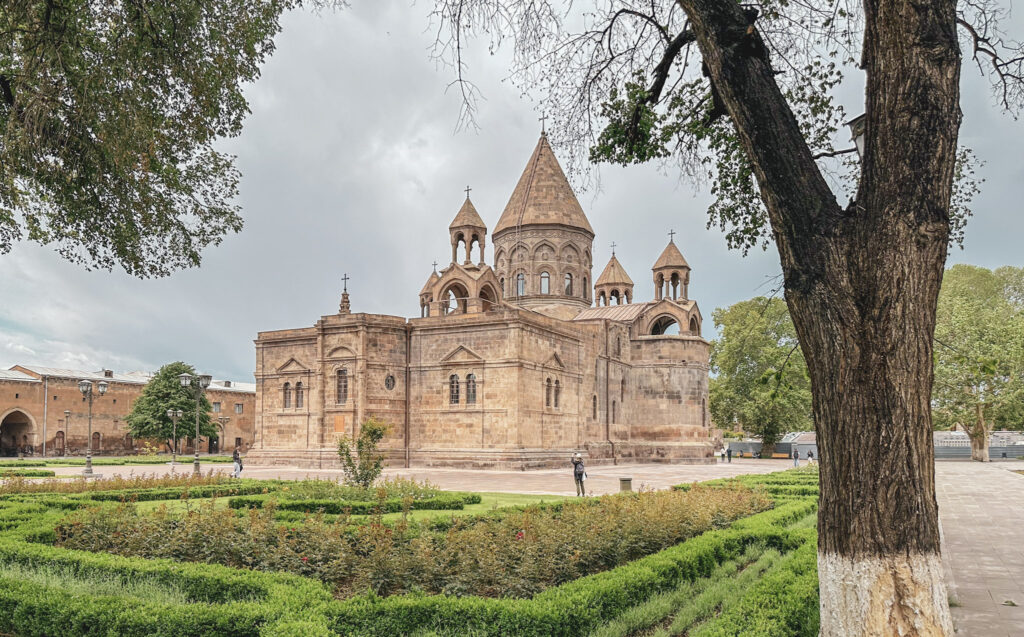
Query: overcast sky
[[351, 163]]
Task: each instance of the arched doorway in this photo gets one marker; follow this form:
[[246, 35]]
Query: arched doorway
[[97, 439], [17, 431], [58, 443]]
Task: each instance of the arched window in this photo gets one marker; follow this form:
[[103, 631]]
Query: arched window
[[287, 395], [453, 389], [614, 296], [613, 411], [470, 389], [568, 284], [558, 393], [520, 284], [595, 407], [342, 386], [618, 346], [547, 394], [502, 281], [622, 390], [586, 289], [298, 395], [545, 283], [693, 325]]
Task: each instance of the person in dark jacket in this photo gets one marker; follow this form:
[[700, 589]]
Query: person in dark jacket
[[237, 459], [728, 453], [579, 474]]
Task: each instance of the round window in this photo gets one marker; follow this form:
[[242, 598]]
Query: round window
[[389, 382]]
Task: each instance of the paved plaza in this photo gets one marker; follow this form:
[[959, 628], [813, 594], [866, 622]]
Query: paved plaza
[[981, 508]]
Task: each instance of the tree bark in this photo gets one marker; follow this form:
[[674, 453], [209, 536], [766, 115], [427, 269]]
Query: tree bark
[[862, 287], [979, 436]]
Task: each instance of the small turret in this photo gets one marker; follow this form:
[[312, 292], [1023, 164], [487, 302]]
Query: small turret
[[613, 283], [671, 273], [468, 228]]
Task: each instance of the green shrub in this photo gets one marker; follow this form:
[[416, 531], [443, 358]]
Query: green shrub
[[26, 473], [394, 505], [515, 555]]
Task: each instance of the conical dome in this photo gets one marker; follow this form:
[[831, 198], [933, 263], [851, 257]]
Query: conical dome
[[671, 257], [467, 217], [543, 195], [614, 274]]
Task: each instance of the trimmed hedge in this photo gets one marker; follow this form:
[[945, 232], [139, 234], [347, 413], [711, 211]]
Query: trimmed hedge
[[335, 507], [271, 601], [783, 603], [577, 607], [113, 461], [26, 473]]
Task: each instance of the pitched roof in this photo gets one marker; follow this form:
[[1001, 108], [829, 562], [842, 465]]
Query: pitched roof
[[13, 374], [614, 273], [671, 257], [622, 313], [543, 195], [430, 282], [467, 217]]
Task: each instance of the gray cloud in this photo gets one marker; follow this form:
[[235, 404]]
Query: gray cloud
[[351, 164]]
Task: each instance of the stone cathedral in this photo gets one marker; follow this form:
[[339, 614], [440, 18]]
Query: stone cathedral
[[513, 365]]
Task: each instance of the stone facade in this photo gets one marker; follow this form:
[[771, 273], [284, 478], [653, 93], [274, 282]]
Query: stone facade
[[507, 366], [33, 402]]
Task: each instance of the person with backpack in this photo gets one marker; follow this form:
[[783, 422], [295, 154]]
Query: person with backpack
[[579, 474]]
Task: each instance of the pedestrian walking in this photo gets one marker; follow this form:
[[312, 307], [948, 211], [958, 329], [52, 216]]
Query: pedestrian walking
[[796, 457], [579, 474], [728, 454], [810, 457], [237, 459]]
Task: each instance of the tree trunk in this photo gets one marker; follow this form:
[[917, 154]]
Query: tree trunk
[[862, 287], [979, 436]]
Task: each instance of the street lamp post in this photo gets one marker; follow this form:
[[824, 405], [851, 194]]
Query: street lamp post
[[175, 416], [858, 127], [202, 381], [85, 386], [67, 433]]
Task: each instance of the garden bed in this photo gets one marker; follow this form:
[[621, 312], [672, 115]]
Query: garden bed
[[746, 576]]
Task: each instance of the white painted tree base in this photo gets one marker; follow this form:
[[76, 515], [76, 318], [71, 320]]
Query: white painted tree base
[[883, 596]]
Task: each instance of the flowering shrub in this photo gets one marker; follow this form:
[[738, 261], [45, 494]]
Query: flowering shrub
[[512, 555]]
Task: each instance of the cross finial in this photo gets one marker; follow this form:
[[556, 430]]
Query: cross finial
[[613, 248], [467, 191], [671, 236], [344, 281], [435, 267], [543, 119]]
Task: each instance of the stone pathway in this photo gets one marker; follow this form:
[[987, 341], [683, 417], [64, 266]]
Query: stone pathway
[[601, 479], [981, 509]]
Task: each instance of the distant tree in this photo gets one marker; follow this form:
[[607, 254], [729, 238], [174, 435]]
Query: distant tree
[[760, 378], [109, 117], [363, 463], [979, 353], [148, 418]]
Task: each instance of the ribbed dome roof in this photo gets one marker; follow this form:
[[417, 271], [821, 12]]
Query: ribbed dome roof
[[467, 217], [671, 257], [543, 195], [614, 274]]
